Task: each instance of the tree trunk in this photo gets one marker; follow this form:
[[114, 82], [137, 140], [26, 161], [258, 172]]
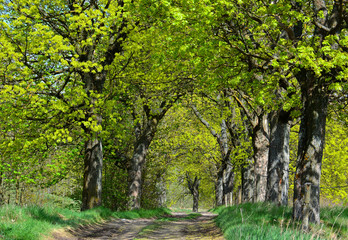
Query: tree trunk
[[195, 200], [193, 186], [93, 159], [161, 186], [228, 184], [260, 142], [135, 171], [279, 158], [92, 180], [2, 200], [239, 198], [248, 179], [17, 191], [227, 169], [310, 147], [219, 187], [230, 199], [258, 127]]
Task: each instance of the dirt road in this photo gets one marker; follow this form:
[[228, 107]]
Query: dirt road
[[178, 226]]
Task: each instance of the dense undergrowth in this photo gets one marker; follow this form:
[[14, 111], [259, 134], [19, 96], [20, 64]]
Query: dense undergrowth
[[267, 221], [36, 222]]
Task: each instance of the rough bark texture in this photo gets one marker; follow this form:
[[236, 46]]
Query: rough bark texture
[[310, 147], [94, 82], [228, 185], [161, 186], [228, 175], [219, 187], [144, 134], [279, 158], [224, 185], [93, 159], [260, 142], [258, 128], [135, 172], [193, 185], [195, 201], [248, 179], [93, 162], [314, 91], [239, 195]]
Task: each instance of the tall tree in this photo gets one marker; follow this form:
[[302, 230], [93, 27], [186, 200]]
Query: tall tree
[[193, 185], [225, 139], [145, 130], [326, 46], [154, 85], [225, 152], [63, 49], [259, 124], [279, 158]]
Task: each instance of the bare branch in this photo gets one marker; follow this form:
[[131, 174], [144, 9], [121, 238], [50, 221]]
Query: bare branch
[[205, 123]]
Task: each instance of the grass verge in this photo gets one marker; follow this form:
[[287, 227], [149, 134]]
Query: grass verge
[[34, 222], [267, 221]]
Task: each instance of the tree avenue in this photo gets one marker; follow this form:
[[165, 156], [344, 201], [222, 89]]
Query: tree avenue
[[112, 80], [304, 46]]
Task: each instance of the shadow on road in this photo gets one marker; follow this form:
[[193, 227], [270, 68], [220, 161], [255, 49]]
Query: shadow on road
[[180, 226]]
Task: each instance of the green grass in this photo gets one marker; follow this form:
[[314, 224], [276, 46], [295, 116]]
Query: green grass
[[267, 221], [246, 221], [34, 222]]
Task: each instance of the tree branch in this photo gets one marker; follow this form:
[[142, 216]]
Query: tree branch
[[205, 123]]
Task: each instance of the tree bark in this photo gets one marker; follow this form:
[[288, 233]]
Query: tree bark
[[93, 159], [219, 187], [310, 146], [228, 174], [144, 134], [260, 142], [195, 200], [239, 197], [161, 186], [228, 184], [259, 124], [314, 92], [193, 186], [92, 179], [224, 183], [279, 158], [248, 179], [1, 190], [135, 171]]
